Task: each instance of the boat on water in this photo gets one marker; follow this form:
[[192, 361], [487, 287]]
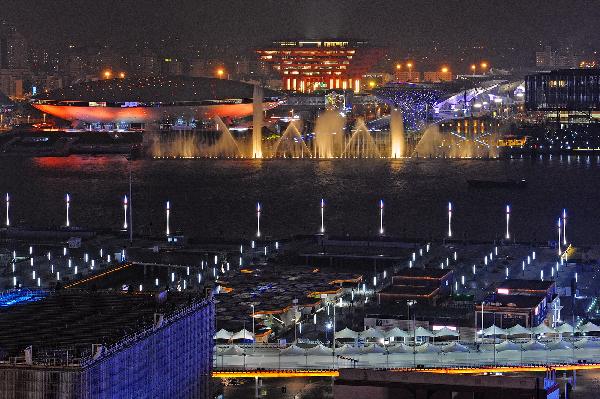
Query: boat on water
[[510, 183]]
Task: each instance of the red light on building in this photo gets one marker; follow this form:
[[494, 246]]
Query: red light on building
[[307, 66]]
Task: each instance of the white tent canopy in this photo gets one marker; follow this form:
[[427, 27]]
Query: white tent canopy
[[455, 347], [223, 334], [292, 350], [400, 348], [319, 350], [372, 349], [348, 350], [346, 333], [587, 343], [396, 332], [232, 350], [589, 327], [421, 332], [542, 329], [428, 348], [565, 328], [446, 332], [494, 330], [518, 330], [507, 345], [534, 346], [372, 333], [557, 345], [243, 334]]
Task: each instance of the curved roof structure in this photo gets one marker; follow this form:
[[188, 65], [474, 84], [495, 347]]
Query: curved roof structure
[[149, 99], [155, 89]]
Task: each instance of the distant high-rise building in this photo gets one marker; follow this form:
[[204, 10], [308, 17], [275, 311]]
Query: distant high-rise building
[[550, 58], [13, 47]]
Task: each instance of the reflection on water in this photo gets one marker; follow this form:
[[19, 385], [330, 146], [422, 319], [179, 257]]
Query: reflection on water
[[213, 198]]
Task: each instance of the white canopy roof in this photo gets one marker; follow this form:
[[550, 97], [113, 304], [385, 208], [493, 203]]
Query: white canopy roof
[[518, 330], [421, 332], [346, 333], [565, 328], [446, 332], [292, 350], [455, 347], [319, 350], [372, 333], [400, 348], [534, 346], [428, 348], [348, 350], [372, 349], [232, 350], [243, 334], [494, 330], [587, 343], [589, 327], [542, 329], [223, 334], [506, 345], [556, 345], [397, 332]]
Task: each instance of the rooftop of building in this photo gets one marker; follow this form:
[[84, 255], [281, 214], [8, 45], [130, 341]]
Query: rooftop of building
[[422, 274], [155, 89], [74, 320], [531, 285], [514, 301], [410, 291]]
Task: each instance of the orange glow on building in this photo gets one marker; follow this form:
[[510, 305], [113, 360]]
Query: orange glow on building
[[307, 66]]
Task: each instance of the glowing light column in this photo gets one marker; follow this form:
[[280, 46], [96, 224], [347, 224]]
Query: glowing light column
[[168, 217], [564, 223], [449, 219], [7, 209], [322, 215], [258, 219], [380, 216], [507, 222], [124, 213], [559, 229], [68, 204]]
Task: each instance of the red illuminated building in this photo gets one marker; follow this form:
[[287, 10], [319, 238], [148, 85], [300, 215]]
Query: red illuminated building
[[309, 65]]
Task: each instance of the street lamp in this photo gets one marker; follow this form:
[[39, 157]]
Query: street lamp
[[107, 74], [122, 75], [473, 68], [409, 65], [220, 73]]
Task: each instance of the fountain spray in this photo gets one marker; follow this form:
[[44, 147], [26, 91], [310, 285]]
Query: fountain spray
[[559, 229], [564, 222], [7, 208]]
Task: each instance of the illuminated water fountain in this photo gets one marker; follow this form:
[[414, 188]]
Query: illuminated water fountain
[[329, 135], [361, 143], [291, 143], [257, 122], [397, 138]]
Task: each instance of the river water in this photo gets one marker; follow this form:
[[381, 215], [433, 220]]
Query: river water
[[217, 198]]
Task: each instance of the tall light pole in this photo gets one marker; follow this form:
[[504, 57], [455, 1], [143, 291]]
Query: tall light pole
[[449, 219], [258, 219], [559, 230], [507, 221], [168, 210], [68, 203], [381, 217], [125, 212], [564, 223], [7, 210], [322, 216]]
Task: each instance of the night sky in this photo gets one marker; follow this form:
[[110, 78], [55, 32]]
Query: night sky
[[396, 23]]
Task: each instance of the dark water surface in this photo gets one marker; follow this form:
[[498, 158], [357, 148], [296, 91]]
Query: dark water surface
[[212, 198]]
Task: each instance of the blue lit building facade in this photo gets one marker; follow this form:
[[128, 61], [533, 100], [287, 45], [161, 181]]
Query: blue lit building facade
[[171, 359], [563, 90]]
